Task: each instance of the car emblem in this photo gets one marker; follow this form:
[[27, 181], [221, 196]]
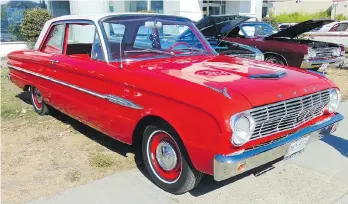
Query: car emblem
[[294, 93], [305, 90], [280, 95], [313, 88]]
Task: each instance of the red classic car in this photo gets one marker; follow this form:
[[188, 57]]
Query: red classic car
[[188, 110], [281, 47]]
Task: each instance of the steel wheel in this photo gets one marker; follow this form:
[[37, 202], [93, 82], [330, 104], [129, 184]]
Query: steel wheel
[[165, 157], [39, 105], [167, 160]]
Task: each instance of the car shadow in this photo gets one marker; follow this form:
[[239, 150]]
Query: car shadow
[[208, 184], [339, 143], [25, 97]]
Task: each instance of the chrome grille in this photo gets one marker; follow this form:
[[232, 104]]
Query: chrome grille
[[289, 114], [327, 52]]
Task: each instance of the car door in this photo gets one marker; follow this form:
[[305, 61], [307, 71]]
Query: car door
[[80, 88]]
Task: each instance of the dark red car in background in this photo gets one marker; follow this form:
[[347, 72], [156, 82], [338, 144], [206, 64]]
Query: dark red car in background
[[283, 47]]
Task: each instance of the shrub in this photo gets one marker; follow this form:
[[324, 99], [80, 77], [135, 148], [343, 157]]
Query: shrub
[[297, 17], [32, 24], [340, 17], [271, 21]]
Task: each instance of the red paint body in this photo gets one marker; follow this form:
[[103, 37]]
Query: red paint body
[[172, 88]]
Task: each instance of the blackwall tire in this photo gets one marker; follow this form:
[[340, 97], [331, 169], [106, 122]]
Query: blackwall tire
[[39, 105], [161, 145], [274, 60]]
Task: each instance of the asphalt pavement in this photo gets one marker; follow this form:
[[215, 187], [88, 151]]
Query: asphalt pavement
[[319, 175]]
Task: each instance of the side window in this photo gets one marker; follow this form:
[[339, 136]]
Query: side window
[[54, 43], [342, 27], [114, 33], [97, 50], [80, 40]]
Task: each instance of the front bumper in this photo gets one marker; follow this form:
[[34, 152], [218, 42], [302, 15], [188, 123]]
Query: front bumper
[[316, 63], [226, 166]]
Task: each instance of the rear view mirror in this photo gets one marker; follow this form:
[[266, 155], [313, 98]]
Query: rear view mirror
[[153, 24]]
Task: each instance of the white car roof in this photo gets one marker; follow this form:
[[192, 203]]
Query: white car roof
[[92, 17]]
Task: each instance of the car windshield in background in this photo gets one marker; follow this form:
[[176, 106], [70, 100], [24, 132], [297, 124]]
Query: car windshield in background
[[151, 37], [258, 30]]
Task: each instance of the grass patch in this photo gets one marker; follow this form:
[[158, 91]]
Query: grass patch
[[101, 160], [73, 175]]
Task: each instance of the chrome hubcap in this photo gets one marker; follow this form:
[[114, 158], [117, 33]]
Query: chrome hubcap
[[166, 156], [38, 95]]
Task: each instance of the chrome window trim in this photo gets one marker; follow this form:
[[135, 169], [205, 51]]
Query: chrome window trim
[[111, 98]]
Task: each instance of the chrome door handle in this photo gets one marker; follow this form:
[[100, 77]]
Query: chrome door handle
[[54, 61]]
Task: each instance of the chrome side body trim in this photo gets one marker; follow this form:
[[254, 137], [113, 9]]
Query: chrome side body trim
[[226, 166], [222, 91], [109, 97], [122, 102]]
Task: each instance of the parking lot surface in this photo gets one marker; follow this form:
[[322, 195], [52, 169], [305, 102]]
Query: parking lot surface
[[319, 175]]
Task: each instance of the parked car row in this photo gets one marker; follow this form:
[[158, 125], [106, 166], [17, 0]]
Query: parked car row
[[154, 81], [281, 47], [335, 32]]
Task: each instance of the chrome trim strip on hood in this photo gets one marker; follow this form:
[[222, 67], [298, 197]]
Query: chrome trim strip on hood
[[112, 98]]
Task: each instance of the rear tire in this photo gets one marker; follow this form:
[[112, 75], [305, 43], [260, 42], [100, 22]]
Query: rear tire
[[39, 105], [166, 160]]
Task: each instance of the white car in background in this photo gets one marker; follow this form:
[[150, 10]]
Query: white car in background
[[336, 32]]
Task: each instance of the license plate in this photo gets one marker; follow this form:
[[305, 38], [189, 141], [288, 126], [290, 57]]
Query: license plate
[[323, 67], [296, 147]]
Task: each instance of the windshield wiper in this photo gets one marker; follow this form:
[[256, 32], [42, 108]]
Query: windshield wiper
[[149, 51]]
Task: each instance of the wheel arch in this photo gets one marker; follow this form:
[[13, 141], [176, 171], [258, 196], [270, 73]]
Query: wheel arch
[[276, 55], [137, 137]]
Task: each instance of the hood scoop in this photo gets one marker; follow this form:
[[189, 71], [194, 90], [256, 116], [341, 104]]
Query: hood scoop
[[277, 75]]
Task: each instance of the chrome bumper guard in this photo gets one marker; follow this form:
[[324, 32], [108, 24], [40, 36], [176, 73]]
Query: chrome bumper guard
[[226, 166], [308, 64]]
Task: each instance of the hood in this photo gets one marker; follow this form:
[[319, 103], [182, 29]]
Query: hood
[[300, 28], [260, 82], [215, 26]]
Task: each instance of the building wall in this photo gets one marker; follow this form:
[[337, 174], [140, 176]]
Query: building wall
[[171, 7], [191, 9], [252, 8]]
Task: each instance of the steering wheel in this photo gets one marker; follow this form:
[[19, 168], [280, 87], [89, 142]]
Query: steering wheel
[[178, 43]]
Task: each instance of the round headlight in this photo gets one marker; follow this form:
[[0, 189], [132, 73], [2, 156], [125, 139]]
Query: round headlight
[[242, 125], [335, 100]]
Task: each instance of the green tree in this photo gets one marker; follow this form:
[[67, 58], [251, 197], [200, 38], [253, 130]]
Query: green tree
[[32, 24]]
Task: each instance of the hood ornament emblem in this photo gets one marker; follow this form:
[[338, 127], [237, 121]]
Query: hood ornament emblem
[[294, 93], [305, 90], [280, 95]]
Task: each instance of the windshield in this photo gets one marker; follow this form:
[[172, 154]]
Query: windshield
[[139, 37], [258, 30]]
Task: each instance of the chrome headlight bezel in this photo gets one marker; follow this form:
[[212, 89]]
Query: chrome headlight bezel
[[334, 102], [233, 122]]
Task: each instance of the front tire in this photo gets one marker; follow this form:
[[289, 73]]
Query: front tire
[[274, 60], [39, 105], [166, 160]]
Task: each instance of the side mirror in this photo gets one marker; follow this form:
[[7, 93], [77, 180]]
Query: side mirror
[[153, 24]]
